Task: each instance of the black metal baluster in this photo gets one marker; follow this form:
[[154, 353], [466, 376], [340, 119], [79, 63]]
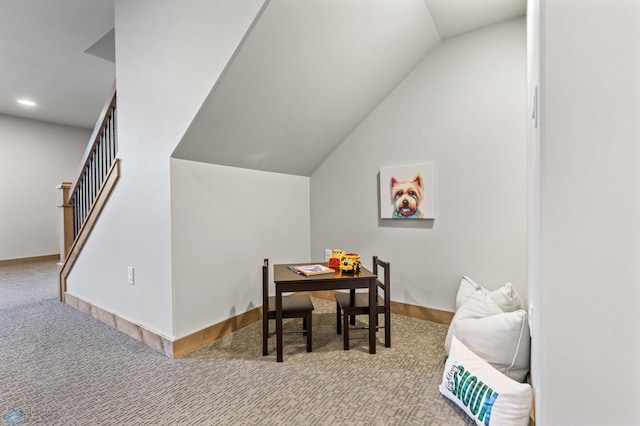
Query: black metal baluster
[[95, 172]]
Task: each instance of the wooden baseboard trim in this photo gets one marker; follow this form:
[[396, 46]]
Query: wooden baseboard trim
[[532, 413], [422, 313], [172, 348], [198, 339], [404, 309], [180, 347], [150, 338], [46, 258]]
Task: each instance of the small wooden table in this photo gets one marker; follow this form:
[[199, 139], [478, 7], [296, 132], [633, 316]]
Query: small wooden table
[[288, 281]]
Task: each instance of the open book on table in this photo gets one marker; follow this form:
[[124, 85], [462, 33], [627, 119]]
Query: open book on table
[[308, 270]]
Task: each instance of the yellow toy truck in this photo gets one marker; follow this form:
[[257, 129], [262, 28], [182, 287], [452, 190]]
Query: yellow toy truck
[[350, 263]]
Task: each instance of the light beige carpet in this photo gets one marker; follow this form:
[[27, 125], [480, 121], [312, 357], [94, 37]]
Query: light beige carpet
[[61, 367]]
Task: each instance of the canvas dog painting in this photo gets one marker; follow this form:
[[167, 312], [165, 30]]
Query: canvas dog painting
[[407, 191], [406, 197]]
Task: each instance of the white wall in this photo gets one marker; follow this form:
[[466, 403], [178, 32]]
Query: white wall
[[35, 157], [533, 193], [235, 218], [462, 108], [168, 57], [590, 211]]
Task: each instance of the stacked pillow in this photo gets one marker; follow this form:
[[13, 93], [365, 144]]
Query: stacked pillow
[[493, 325], [488, 346]]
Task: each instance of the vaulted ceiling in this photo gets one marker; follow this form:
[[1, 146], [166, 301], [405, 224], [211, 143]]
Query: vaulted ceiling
[[307, 74], [310, 71]]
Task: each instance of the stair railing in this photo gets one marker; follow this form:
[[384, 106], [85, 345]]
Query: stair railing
[[82, 200], [98, 159]]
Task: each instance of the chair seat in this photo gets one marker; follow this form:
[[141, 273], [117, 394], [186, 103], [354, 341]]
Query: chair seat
[[361, 300], [293, 306], [294, 302]]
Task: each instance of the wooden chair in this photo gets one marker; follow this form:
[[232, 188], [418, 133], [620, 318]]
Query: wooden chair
[[345, 310], [293, 306]]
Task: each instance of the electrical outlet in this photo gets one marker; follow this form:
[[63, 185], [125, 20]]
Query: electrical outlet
[[130, 276], [327, 254]]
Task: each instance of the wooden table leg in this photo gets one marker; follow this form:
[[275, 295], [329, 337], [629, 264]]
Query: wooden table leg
[[278, 324], [372, 316], [352, 302]]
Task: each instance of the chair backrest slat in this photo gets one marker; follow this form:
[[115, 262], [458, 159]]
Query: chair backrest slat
[[385, 283], [265, 288]]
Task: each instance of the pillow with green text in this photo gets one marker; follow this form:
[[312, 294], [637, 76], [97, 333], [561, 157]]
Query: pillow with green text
[[485, 394]]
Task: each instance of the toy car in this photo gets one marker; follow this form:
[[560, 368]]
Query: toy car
[[336, 258], [350, 263]]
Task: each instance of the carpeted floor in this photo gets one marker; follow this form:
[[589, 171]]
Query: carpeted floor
[[61, 367]]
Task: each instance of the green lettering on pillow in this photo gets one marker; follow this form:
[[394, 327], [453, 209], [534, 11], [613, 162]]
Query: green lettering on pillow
[[462, 386], [489, 400], [476, 398], [470, 386]]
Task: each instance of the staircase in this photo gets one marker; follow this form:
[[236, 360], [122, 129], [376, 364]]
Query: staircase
[[82, 200]]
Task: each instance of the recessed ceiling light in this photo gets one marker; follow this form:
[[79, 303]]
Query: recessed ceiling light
[[26, 102]]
